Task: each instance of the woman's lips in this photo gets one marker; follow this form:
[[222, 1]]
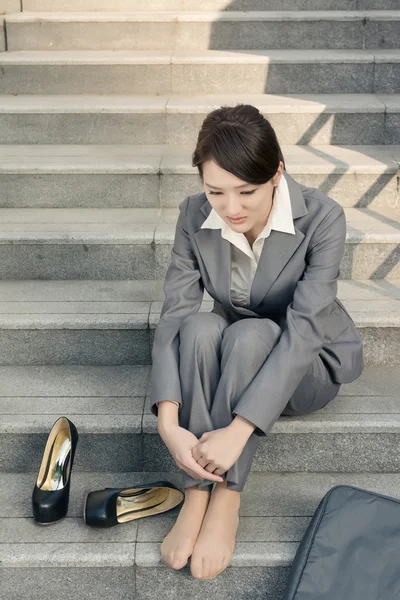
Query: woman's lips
[[237, 221]]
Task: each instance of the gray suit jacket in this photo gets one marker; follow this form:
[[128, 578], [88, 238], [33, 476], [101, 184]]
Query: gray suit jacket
[[295, 285]]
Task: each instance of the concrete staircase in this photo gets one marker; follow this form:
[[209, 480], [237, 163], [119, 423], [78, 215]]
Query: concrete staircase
[[99, 113]]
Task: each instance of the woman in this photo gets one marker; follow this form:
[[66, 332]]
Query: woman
[[278, 341]]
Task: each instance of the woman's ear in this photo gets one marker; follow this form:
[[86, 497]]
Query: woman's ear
[[277, 177]]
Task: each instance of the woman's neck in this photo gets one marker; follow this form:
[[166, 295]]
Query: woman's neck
[[253, 233]]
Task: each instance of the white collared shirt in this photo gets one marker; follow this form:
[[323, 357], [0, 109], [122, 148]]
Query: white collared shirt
[[244, 258]]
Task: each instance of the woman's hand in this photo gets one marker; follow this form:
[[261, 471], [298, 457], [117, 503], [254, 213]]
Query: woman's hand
[[219, 449], [180, 442]]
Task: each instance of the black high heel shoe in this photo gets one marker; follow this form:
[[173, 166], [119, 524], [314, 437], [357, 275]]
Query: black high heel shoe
[[111, 506], [50, 496]]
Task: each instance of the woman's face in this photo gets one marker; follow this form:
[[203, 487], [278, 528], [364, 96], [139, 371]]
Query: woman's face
[[232, 197]]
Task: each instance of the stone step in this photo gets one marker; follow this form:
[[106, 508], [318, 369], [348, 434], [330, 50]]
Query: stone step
[[194, 5], [10, 6], [127, 176], [136, 243], [2, 35], [275, 511], [198, 72], [304, 119], [118, 433], [273, 519], [112, 322], [230, 30]]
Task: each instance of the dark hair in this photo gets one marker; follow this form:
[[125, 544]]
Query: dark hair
[[240, 140]]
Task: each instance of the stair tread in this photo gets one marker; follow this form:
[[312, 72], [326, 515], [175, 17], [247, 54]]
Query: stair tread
[[123, 103], [125, 158], [386, 421], [275, 511], [208, 16], [136, 304], [190, 5], [298, 56], [148, 225], [267, 494], [104, 399], [127, 381]]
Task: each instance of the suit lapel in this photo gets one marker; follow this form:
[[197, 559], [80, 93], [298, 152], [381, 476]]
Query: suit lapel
[[216, 253], [278, 248]]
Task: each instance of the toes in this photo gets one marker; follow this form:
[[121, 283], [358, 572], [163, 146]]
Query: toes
[[174, 561], [206, 568], [209, 569], [196, 567], [178, 561]]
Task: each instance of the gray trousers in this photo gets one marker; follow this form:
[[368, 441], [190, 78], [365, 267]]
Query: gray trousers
[[218, 361]]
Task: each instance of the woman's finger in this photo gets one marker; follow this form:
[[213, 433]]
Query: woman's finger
[[202, 473], [199, 457], [203, 462], [211, 467], [196, 452], [219, 471]]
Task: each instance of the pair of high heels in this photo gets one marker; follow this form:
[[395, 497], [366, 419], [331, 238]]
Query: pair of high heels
[[102, 508]]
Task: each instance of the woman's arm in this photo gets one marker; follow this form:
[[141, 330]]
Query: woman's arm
[[167, 414], [302, 339], [184, 291], [180, 442]]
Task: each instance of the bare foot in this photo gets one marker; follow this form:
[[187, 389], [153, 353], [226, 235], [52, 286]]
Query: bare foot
[[215, 544], [178, 544]]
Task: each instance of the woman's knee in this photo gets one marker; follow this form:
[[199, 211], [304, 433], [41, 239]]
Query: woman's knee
[[252, 333], [202, 328], [314, 392]]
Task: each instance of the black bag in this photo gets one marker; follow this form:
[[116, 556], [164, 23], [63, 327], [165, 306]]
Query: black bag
[[350, 550]]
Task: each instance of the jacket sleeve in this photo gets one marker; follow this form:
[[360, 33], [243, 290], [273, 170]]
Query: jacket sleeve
[[303, 336], [184, 291]]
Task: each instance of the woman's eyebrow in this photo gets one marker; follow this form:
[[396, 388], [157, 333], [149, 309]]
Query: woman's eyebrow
[[217, 188]]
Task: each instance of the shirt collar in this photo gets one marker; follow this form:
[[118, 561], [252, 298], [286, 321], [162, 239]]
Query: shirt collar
[[280, 217]]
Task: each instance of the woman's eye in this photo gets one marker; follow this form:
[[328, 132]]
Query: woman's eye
[[244, 193]]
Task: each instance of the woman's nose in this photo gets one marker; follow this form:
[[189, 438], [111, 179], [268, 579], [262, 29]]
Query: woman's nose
[[233, 208]]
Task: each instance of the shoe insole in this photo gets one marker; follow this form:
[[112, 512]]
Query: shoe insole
[[55, 467], [138, 502]]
